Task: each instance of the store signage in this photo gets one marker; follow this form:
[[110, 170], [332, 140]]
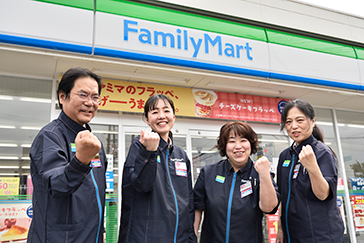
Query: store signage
[[357, 183], [121, 33], [358, 211], [9, 186], [182, 40], [17, 214], [272, 225], [130, 96]]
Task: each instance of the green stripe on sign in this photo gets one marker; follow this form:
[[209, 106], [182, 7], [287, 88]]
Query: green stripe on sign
[[311, 44], [167, 16], [83, 4], [359, 52]]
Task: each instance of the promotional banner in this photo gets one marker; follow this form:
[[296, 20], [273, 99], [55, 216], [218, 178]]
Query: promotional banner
[[131, 97], [358, 211], [272, 224], [9, 186], [357, 183], [15, 219]]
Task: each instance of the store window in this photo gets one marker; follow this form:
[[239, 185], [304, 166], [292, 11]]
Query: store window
[[109, 137], [25, 108], [351, 129]]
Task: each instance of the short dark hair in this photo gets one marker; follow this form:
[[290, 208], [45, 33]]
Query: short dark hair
[[307, 109], [238, 128], [70, 76], [151, 104], [152, 101]]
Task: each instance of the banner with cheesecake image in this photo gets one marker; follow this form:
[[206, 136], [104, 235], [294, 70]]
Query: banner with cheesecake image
[[131, 97], [15, 219]]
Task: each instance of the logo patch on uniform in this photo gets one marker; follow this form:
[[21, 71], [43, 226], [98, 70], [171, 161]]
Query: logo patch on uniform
[[158, 159], [220, 179], [181, 168], [73, 147], [286, 163]]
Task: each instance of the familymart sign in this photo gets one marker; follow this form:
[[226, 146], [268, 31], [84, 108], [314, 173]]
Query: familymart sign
[[122, 33]]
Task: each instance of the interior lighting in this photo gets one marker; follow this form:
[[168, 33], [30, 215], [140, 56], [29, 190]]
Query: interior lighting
[[273, 141], [31, 128], [355, 126], [11, 145], [39, 100], [5, 97], [9, 167], [9, 157], [7, 127]]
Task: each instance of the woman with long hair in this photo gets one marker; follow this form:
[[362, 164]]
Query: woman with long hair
[[307, 181]]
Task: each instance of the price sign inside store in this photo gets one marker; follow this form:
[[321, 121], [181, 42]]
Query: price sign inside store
[[9, 186]]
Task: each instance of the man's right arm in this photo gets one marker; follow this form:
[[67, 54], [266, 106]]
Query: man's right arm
[[60, 173]]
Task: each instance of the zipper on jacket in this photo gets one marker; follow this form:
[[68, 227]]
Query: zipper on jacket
[[175, 198], [99, 203], [288, 198], [229, 208]]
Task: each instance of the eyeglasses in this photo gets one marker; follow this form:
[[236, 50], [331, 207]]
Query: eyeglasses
[[85, 97]]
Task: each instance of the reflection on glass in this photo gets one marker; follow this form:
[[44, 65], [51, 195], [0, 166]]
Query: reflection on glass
[[25, 109], [108, 135], [351, 129]]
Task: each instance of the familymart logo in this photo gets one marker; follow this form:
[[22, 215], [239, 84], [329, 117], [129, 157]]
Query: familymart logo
[[185, 40]]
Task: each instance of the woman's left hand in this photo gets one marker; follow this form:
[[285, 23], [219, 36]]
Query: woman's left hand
[[262, 166], [307, 158]]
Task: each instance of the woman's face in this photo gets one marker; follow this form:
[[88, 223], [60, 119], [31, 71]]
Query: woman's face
[[238, 150], [161, 119], [298, 126]]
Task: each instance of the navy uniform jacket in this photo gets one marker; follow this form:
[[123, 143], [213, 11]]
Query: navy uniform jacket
[[304, 217], [68, 196], [157, 196], [232, 214]]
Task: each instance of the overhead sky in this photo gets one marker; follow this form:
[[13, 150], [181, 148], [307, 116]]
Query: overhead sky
[[355, 7]]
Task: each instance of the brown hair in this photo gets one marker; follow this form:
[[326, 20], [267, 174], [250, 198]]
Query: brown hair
[[238, 128]]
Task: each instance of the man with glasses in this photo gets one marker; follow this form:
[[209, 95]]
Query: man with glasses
[[68, 165]]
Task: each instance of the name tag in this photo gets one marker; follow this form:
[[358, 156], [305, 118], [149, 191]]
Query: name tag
[[181, 168], [296, 170], [96, 163], [246, 189]]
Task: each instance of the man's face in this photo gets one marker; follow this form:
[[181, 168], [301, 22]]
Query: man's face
[[79, 106]]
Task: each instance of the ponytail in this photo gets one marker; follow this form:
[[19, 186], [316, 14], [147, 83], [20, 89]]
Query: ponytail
[[319, 135]]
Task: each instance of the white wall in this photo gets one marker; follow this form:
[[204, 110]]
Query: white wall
[[286, 13]]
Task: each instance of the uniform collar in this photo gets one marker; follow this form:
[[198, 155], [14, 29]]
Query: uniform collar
[[74, 126], [245, 168], [163, 144], [297, 149]]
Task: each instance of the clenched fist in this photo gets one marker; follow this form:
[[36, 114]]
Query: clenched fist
[[150, 140], [262, 166], [307, 158], [87, 146]]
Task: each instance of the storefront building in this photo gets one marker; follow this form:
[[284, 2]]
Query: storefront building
[[249, 57]]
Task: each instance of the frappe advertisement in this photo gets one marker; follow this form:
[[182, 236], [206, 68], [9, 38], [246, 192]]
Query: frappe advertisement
[[131, 97]]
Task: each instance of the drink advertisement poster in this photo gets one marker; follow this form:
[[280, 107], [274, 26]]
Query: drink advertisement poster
[[15, 219], [131, 97], [9, 186], [358, 211]]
